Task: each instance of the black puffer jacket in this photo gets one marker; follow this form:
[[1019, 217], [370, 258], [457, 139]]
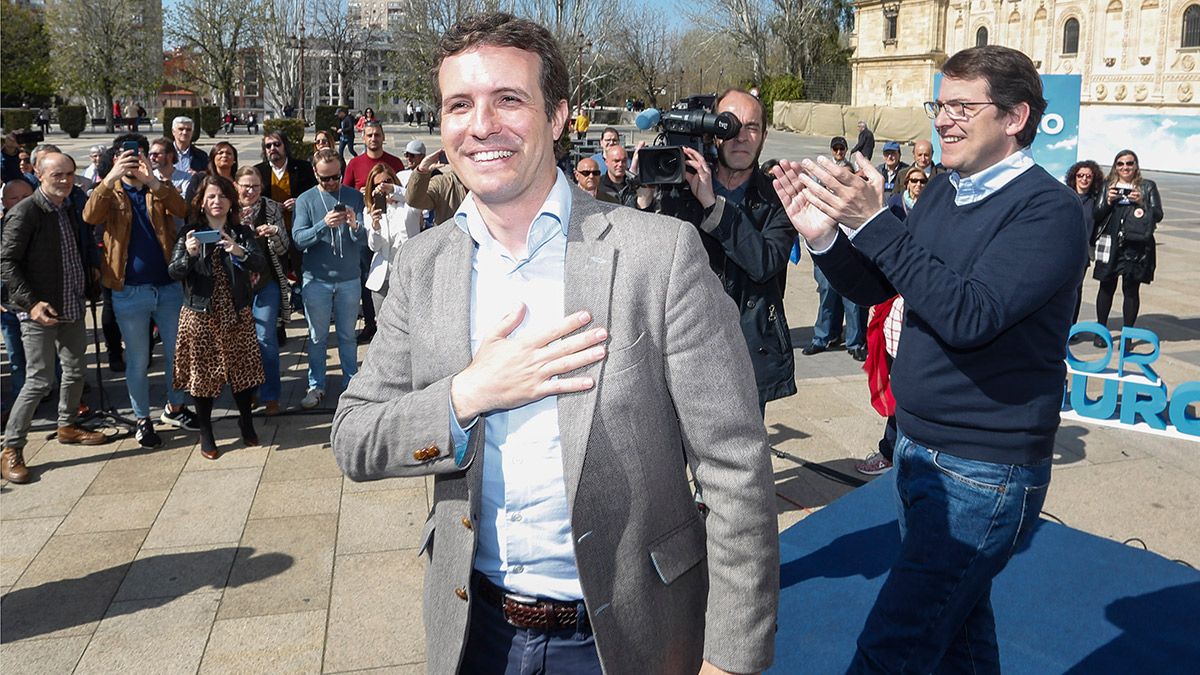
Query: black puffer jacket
[[196, 272], [749, 245]]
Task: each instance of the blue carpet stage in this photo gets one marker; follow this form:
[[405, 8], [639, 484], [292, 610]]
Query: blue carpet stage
[[1069, 603]]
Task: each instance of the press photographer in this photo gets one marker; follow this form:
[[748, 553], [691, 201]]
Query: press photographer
[[741, 221]]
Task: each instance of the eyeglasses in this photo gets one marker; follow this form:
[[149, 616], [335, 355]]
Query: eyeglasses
[[255, 186], [955, 110], [156, 153], [273, 144], [327, 179], [1127, 163], [590, 173], [918, 180]]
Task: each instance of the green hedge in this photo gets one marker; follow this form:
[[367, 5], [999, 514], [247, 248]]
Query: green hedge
[[784, 87], [210, 119], [169, 115], [18, 118], [72, 119], [294, 130], [325, 117]]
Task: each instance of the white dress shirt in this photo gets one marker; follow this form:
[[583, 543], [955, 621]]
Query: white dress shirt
[[398, 225], [525, 542]]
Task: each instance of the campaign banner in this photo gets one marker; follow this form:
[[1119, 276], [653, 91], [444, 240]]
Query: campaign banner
[[1056, 145]]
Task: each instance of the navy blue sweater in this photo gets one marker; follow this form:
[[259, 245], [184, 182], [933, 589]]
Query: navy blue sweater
[[989, 290]]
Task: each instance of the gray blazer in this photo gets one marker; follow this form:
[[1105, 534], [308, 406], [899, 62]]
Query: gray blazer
[[664, 588]]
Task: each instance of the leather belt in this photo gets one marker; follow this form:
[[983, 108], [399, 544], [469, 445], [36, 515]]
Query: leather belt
[[531, 613]]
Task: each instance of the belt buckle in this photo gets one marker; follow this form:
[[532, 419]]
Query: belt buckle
[[521, 599]]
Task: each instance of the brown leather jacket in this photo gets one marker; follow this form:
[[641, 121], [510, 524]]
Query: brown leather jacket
[[108, 208]]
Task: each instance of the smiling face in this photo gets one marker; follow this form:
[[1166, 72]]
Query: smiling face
[[891, 158], [1126, 166], [249, 189], [495, 130], [986, 137], [1083, 180], [741, 152]]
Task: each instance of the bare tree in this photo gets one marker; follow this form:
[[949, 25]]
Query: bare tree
[[646, 52], [216, 35], [805, 30], [589, 33], [747, 22], [415, 37], [94, 53], [349, 42], [282, 21]]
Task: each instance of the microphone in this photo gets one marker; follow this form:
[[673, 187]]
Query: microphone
[[647, 118]]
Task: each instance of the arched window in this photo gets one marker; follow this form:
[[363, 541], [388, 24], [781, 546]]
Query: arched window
[[1071, 36], [981, 36], [1191, 27]]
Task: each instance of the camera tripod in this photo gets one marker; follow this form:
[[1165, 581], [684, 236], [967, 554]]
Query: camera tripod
[[104, 415]]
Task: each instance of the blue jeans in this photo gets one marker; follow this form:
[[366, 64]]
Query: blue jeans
[[494, 647], [134, 307], [830, 312], [339, 299], [16, 354], [344, 143], [960, 522], [266, 319]]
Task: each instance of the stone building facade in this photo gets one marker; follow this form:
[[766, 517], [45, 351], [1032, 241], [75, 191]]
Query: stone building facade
[[1131, 54]]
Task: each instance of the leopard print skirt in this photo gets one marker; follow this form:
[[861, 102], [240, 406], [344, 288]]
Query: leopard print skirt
[[217, 347]]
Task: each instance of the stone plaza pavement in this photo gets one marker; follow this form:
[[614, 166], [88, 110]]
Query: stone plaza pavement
[[117, 559]]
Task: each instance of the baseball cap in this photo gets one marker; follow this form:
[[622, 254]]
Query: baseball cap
[[838, 141], [415, 148], [891, 146]]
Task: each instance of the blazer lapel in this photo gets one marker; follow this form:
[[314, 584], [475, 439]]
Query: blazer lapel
[[451, 300], [587, 286]]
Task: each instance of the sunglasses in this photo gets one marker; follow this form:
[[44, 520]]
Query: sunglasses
[[918, 180], [588, 173], [273, 144], [1127, 163], [327, 179]]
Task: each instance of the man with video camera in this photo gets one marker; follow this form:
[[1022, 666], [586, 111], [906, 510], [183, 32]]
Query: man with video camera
[[746, 234]]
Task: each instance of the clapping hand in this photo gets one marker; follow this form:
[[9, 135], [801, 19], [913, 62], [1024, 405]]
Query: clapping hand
[[817, 228]]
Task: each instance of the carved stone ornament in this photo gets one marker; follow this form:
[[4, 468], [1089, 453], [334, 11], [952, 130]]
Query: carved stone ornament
[[1188, 62], [1185, 93], [1067, 66], [1101, 92], [1110, 62], [1140, 92], [1144, 60], [1120, 92]]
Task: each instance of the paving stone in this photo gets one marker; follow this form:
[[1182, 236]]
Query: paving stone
[[21, 541], [103, 513], [403, 483], [300, 463], [205, 507], [171, 572], [375, 594], [381, 521], [38, 657], [151, 636], [57, 484], [67, 588], [137, 469], [407, 669], [277, 644], [285, 565], [234, 455], [297, 498]]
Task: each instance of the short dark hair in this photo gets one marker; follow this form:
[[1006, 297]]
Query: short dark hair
[[1011, 78], [762, 109], [612, 130], [168, 146], [141, 141], [499, 29]]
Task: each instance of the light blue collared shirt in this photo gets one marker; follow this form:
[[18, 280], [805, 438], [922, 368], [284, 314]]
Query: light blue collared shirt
[[525, 542], [967, 190]]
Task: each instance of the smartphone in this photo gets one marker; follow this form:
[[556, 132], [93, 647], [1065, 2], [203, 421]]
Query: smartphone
[[131, 145], [207, 236], [379, 202], [29, 137], [441, 157], [339, 208], [1124, 191]]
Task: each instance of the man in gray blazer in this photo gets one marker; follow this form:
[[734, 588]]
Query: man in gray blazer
[[559, 364]]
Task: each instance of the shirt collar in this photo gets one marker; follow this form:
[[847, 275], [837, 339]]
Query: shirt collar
[[552, 218], [988, 182]]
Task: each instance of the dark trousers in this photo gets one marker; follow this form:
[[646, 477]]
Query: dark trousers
[[494, 647], [368, 303]]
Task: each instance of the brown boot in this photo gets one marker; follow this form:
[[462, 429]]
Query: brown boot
[[72, 434], [12, 466]]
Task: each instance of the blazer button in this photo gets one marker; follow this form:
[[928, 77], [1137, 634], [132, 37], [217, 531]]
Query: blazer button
[[461, 592], [421, 455], [466, 522], [432, 451]]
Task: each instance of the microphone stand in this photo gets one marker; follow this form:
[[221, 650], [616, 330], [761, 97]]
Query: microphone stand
[[104, 412]]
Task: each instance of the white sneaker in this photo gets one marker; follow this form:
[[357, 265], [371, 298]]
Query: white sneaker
[[312, 399]]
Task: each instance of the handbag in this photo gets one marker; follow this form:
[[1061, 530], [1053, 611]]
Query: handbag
[[1103, 249], [1137, 224]]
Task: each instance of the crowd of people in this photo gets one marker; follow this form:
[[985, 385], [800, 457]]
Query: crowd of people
[[544, 320]]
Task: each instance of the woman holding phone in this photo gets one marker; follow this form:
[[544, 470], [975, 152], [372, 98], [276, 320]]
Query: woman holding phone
[[1126, 216], [271, 291], [214, 257], [392, 223]]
